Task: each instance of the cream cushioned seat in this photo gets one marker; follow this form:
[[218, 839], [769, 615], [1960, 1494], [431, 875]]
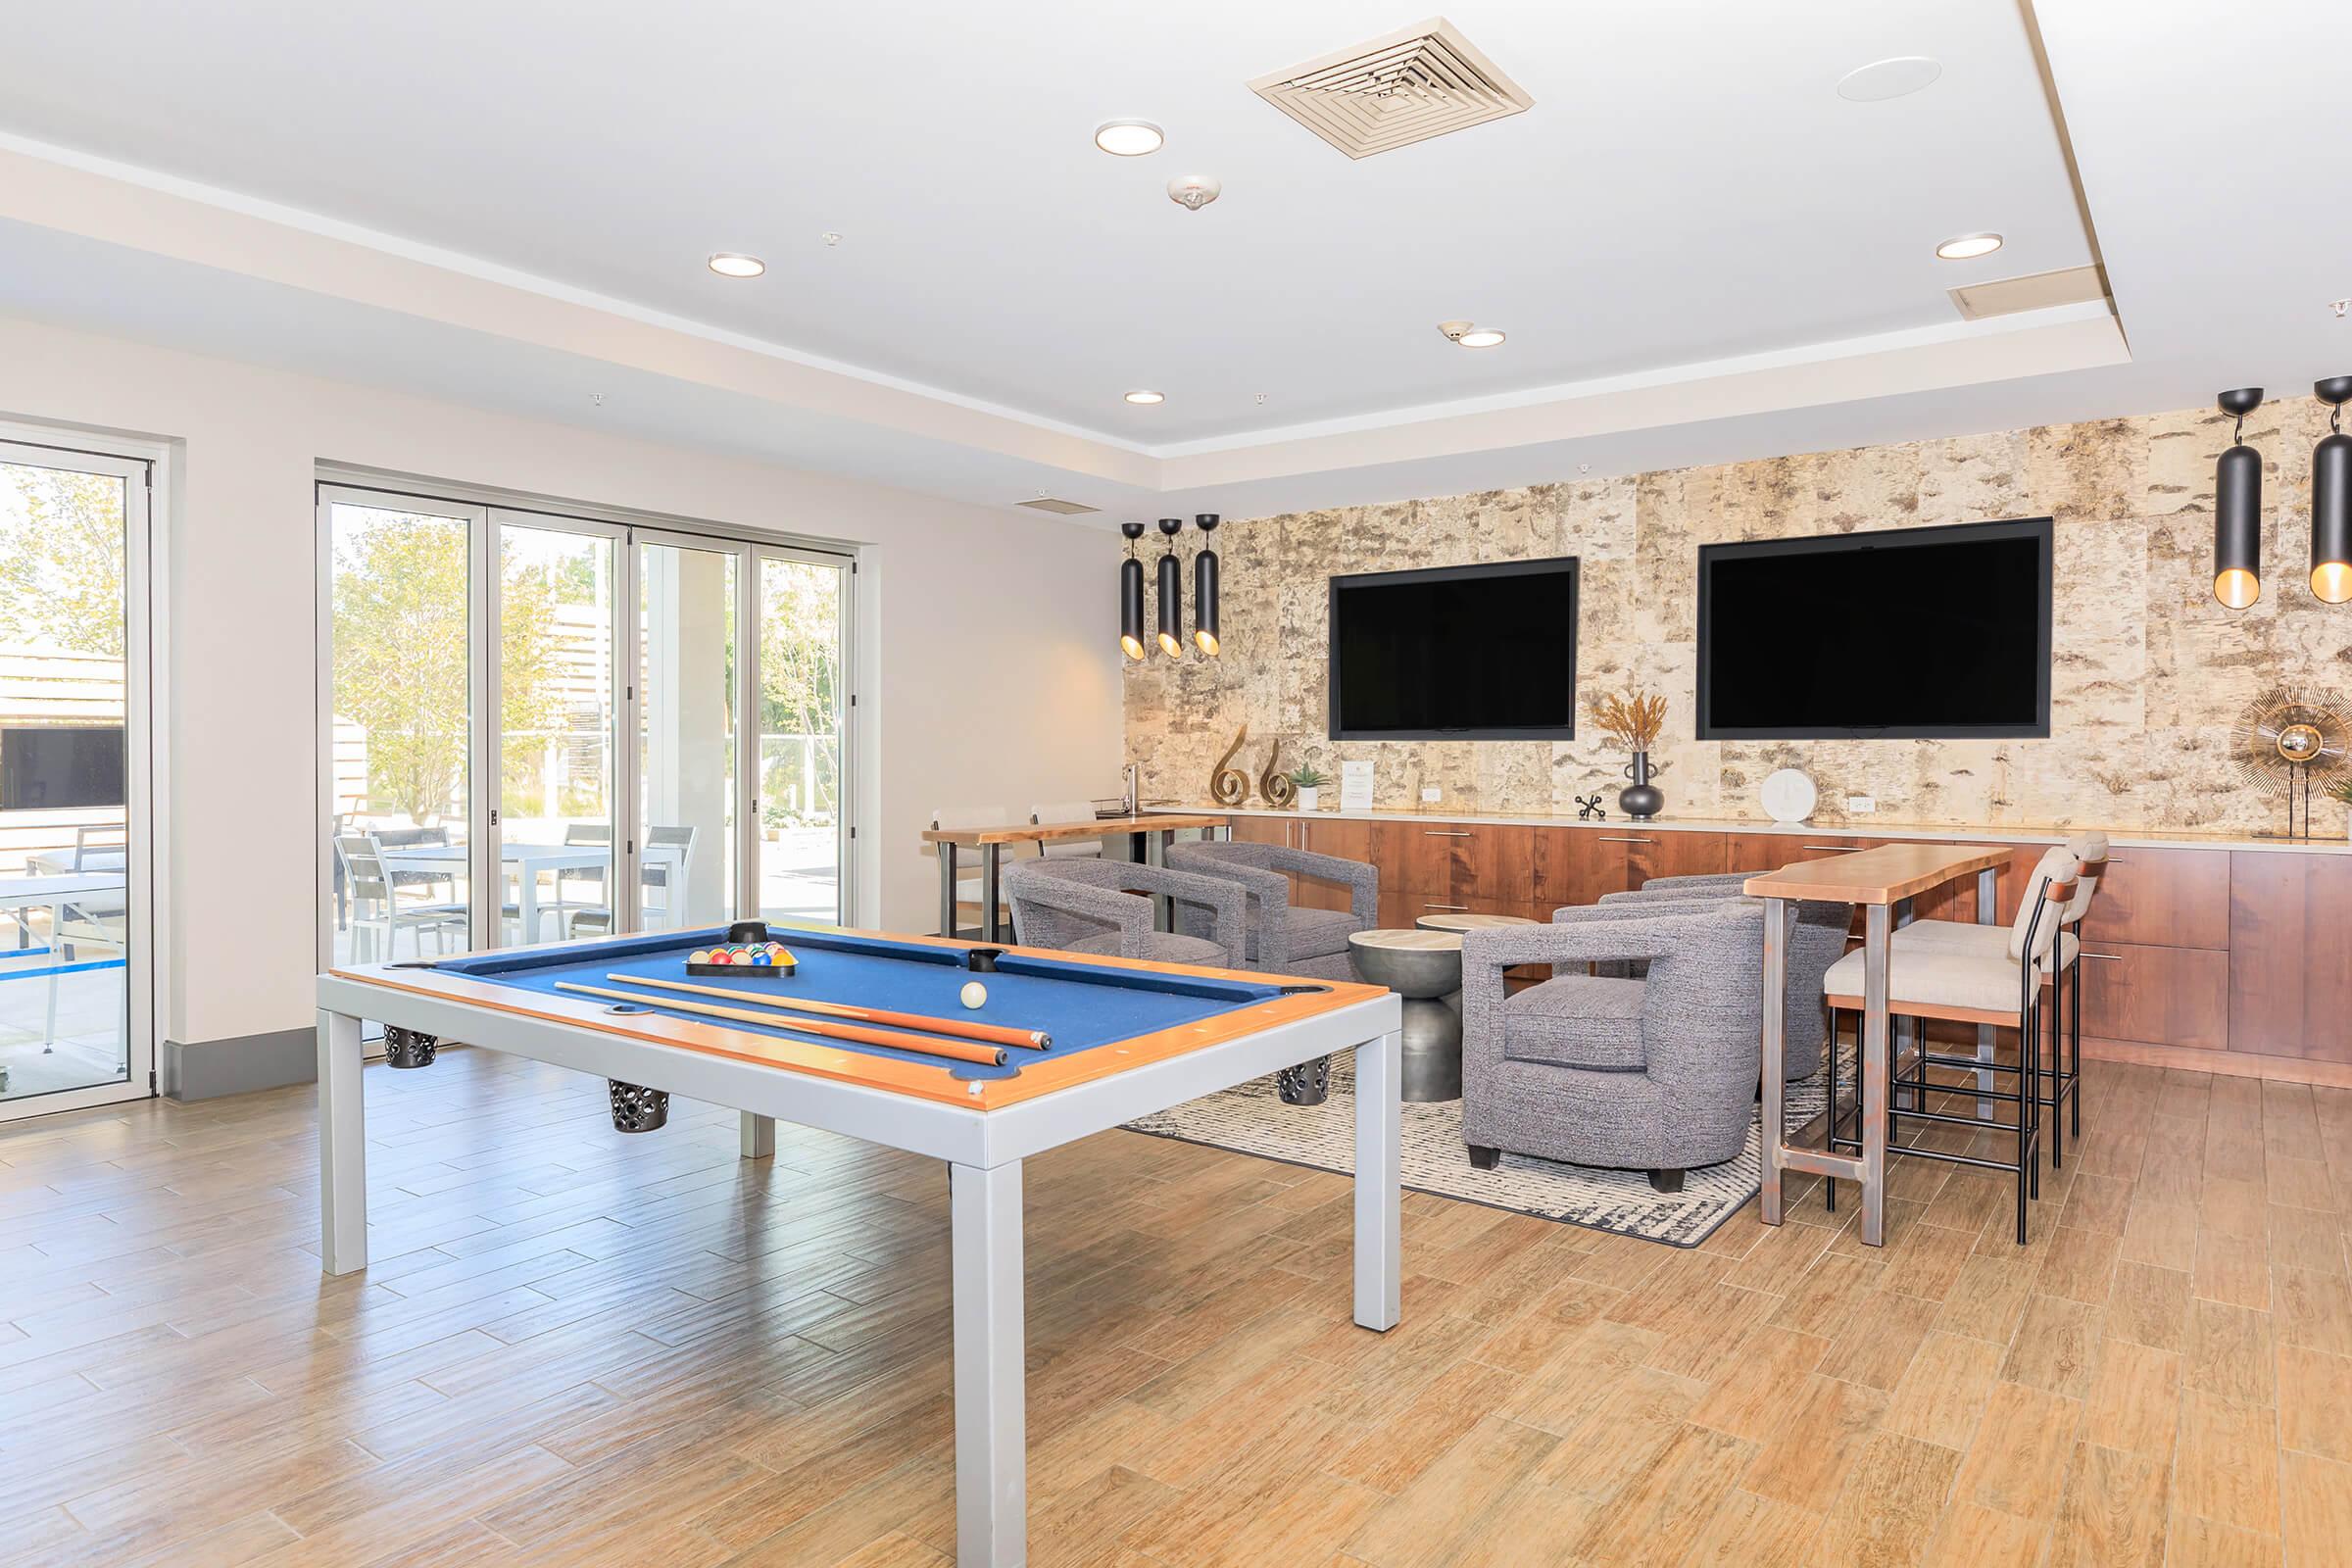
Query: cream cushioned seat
[[1926, 977], [1959, 936]]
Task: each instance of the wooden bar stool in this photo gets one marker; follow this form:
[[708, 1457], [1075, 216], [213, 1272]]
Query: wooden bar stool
[[2005, 990]]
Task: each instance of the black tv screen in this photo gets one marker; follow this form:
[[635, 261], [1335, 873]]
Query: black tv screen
[[1914, 633], [51, 767], [1456, 653]]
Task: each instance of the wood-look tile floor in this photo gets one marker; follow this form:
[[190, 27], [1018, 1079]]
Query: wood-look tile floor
[[578, 1348]]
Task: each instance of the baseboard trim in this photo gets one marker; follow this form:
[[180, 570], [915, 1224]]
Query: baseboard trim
[[208, 1069], [2228, 1064]]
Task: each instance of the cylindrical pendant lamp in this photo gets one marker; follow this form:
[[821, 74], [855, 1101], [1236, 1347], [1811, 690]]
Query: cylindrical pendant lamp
[[2237, 509], [1171, 592], [1130, 595], [2331, 499], [1204, 589]]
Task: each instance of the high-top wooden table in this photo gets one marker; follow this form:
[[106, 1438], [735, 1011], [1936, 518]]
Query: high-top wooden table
[[1883, 881], [1150, 832]]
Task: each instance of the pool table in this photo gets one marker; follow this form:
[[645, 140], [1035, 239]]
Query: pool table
[[1126, 1039]]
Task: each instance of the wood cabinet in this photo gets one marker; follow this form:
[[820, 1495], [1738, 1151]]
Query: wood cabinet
[[2166, 898], [1429, 867], [1575, 865], [2155, 996], [1350, 840], [2290, 960]]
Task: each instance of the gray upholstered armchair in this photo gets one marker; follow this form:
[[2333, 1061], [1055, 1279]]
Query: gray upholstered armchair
[[1656, 1074], [1815, 941], [1103, 905], [1280, 939]]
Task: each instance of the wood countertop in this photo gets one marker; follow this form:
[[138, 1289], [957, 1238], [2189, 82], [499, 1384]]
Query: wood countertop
[[1884, 875], [1099, 827], [2006, 833]]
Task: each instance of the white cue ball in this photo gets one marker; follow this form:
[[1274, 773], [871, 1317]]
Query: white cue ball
[[974, 993]]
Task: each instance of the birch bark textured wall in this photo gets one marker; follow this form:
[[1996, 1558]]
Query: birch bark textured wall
[[2149, 671]]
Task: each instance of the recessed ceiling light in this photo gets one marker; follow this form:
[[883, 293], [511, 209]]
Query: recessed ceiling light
[[1470, 335], [1966, 247], [1883, 79], [730, 264], [1128, 138], [1142, 396]]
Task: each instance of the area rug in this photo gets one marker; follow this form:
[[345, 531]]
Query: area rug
[[1252, 1120]]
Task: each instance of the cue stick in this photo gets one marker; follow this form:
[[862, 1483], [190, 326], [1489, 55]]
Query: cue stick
[[955, 1049], [961, 1028]]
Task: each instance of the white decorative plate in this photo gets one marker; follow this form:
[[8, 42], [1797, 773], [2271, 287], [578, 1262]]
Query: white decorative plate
[[1789, 796]]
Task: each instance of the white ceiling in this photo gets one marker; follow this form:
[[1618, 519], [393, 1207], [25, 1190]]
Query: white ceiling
[[1688, 209]]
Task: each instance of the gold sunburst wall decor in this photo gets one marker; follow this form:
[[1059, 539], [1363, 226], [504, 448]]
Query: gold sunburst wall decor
[[2283, 739]]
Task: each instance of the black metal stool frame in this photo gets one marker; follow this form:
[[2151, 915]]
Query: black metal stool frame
[[2026, 1096]]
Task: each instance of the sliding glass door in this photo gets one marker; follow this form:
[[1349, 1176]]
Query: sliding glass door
[[400, 725], [76, 1007], [803, 722], [687, 848], [558, 709], [534, 727]]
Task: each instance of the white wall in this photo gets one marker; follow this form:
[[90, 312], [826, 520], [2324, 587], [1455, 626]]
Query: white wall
[[992, 677]]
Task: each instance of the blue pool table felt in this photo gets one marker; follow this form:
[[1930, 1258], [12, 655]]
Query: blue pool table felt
[[1081, 1006]]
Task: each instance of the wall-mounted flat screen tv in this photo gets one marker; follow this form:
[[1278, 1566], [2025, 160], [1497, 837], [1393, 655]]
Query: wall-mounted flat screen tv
[[1456, 653], [51, 768], [1912, 633]]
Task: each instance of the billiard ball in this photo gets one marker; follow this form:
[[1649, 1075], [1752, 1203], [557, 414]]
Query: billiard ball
[[764, 957], [698, 955], [974, 993]]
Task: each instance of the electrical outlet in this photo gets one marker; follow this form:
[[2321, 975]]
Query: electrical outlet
[[1861, 805], [1430, 794]]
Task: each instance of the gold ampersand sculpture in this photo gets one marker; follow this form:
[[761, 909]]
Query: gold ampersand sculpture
[[1274, 785], [1230, 786]]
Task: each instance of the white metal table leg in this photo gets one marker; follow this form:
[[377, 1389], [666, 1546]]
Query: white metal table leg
[[1875, 1074], [990, 1479], [759, 1135], [1379, 1174], [342, 1147], [1775, 1056]]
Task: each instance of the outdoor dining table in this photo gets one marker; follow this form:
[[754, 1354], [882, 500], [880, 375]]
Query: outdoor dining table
[[525, 863], [19, 895]]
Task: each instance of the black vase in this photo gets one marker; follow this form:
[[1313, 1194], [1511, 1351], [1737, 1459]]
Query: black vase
[[1642, 800]]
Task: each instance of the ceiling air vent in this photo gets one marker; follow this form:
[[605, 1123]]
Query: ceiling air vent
[[1394, 91], [2036, 291], [1056, 505]]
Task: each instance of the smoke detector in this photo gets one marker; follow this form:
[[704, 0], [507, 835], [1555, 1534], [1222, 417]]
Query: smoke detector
[[1391, 92], [1192, 192]]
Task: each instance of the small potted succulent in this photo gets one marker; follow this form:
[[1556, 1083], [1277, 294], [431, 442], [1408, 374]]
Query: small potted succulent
[[2340, 791], [1308, 782]]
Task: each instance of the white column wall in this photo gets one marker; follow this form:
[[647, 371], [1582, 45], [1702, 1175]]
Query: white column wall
[[987, 673]]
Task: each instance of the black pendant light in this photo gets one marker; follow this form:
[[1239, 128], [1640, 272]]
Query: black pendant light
[[1204, 589], [2237, 509], [1130, 595], [1171, 592], [2331, 498]]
